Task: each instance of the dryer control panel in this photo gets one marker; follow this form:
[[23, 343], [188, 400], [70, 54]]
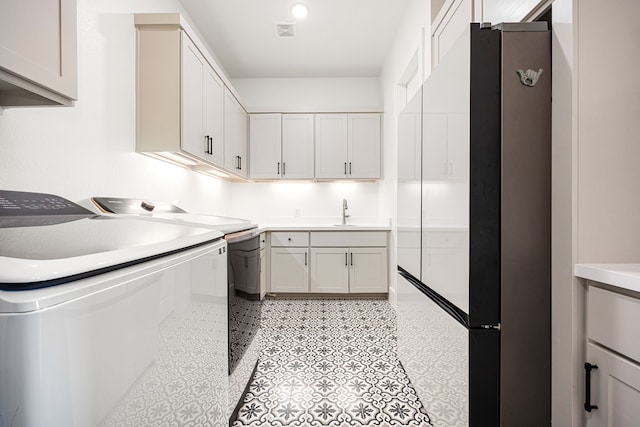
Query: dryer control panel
[[19, 204]]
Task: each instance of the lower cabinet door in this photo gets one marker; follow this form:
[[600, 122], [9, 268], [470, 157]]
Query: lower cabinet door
[[289, 270], [368, 270], [614, 389], [330, 270]]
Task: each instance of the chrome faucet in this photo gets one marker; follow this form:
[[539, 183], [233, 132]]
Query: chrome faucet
[[344, 212]]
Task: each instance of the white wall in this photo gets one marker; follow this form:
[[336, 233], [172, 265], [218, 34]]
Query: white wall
[[306, 202], [407, 42], [348, 94], [278, 202], [89, 150]]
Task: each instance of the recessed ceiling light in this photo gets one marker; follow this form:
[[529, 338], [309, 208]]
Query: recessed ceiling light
[[299, 10]]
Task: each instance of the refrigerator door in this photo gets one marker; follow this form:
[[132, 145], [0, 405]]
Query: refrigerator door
[[445, 176], [434, 351], [409, 193]]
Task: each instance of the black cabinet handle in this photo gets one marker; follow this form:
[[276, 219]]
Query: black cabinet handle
[[206, 139], [305, 258], [588, 367], [278, 168], [284, 168], [210, 145], [349, 168], [345, 259], [351, 254], [240, 162], [345, 168]]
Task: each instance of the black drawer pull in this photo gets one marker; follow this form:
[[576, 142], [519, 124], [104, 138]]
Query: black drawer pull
[[588, 367]]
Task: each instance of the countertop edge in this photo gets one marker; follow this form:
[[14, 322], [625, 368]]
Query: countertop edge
[[326, 228], [623, 275]]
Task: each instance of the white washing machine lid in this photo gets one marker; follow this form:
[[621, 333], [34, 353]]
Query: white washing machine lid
[[166, 212], [46, 240]]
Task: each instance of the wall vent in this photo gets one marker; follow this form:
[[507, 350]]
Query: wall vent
[[285, 29]]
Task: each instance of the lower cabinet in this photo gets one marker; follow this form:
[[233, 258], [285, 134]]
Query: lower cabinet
[[329, 270], [289, 269], [615, 389], [612, 368], [348, 270], [327, 262]]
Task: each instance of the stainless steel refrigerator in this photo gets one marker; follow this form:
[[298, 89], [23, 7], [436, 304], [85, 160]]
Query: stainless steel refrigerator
[[474, 231]]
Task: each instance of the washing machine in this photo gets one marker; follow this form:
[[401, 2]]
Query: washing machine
[[244, 287], [109, 321]]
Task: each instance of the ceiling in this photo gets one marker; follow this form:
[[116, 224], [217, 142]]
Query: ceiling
[[339, 38]]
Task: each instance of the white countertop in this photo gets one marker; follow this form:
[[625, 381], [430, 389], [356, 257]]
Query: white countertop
[[326, 227], [625, 276]]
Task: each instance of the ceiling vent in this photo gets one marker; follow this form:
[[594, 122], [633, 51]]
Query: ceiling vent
[[285, 29]]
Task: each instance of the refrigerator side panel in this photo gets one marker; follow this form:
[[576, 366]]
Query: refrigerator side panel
[[526, 229], [484, 199], [484, 378]]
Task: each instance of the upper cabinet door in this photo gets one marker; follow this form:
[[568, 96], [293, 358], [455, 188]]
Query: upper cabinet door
[[193, 63], [331, 146], [364, 146], [38, 60], [265, 140], [297, 146], [213, 98], [235, 136]]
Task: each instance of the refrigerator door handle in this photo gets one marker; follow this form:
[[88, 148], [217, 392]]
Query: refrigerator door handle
[[588, 367]]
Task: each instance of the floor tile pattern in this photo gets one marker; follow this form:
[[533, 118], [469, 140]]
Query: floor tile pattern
[[330, 362]]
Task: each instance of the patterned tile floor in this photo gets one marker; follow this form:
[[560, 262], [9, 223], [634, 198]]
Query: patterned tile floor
[[330, 362]]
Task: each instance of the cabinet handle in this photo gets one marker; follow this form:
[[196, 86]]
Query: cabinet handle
[[210, 145], [305, 258], [206, 140], [284, 168], [351, 255], [345, 259], [278, 168], [240, 162], [588, 367], [345, 168], [349, 168]]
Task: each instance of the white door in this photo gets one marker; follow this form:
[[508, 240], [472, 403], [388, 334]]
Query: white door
[[289, 270], [213, 99], [297, 146], [434, 147], [331, 145], [368, 270], [364, 146], [615, 389], [192, 65], [265, 142], [329, 270]]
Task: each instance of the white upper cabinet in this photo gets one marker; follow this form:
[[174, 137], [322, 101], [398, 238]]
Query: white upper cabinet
[[364, 146], [347, 146], [281, 146], [38, 59], [212, 104], [235, 136], [297, 146], [331, 146], [265, 145], [202, 92]]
